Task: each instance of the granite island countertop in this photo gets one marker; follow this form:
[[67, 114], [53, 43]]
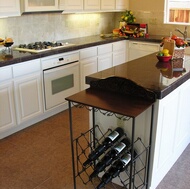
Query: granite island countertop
[[148, 72], [16, 57]]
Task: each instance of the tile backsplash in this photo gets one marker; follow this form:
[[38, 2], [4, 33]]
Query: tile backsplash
[[55, 26]]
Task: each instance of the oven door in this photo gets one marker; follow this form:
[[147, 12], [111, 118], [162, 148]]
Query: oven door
[[59, 83]]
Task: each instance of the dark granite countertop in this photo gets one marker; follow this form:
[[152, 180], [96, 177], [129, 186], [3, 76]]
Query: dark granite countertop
[[148, 72], [83, 42]]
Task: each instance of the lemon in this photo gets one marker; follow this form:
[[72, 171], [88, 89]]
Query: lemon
[[165, 51]]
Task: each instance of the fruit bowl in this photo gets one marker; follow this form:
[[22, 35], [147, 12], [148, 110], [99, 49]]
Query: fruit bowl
[[164, 58]]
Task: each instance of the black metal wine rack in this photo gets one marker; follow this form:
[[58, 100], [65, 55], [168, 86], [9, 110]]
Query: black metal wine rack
[[112, 97], [84, 144]]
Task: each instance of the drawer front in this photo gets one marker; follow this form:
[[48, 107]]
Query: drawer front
[[88, 52], [6, 73], [26, 68], [102, 49], [144, 46]]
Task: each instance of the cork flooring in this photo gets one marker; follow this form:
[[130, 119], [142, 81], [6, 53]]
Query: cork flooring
[[39, 157]]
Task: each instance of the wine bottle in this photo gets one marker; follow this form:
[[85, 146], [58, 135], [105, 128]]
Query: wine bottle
[[111, 156], [117, 167], [108, 142]]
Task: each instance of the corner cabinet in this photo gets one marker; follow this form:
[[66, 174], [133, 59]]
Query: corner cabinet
[[43, 5], [9, 8], [28, 90]]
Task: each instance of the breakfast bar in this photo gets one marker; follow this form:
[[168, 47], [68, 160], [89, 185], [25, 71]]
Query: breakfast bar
[[169, 81], [171, 126]]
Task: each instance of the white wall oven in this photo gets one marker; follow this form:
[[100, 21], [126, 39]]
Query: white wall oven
[[60, 78]]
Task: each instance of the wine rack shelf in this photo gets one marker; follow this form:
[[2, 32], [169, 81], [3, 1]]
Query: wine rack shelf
[[111, 97]]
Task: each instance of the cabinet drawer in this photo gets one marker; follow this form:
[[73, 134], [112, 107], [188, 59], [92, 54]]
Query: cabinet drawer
[[102, 49], [118, 46], [151, 47], [88, 52], [26, 68], [6, 73]]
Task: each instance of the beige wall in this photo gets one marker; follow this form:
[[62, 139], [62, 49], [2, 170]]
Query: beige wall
[[152, 12]]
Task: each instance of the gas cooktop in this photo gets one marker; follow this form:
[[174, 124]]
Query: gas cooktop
[[38, 47]]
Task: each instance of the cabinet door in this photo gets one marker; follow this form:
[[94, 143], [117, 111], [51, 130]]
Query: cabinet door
[[43, 5], [87, 66], [28, 97], [91, 5], [105, 56], [122, 4], [107, 4], [9, 8], [71, 5], [104, 62], [7, 109], [119, 53]]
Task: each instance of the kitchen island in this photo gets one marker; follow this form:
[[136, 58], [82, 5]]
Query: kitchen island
[[171, 126]]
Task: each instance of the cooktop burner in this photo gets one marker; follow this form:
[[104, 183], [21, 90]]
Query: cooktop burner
[[37, 47]]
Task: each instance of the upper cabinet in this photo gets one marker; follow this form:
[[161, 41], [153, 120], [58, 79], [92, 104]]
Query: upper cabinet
[[91, 5], [71, 5], [42, 5], [108, 4], [122, 4], [9, 8]]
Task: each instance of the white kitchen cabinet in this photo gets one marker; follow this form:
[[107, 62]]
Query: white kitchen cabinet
[[122, 4], [67, 5], [7, 108], [105, 57], [9, 8], [107, 4], [120, 52], [171, 131], [140, 49], [28, 90], [91, 5], [43, 5], [88, 64]]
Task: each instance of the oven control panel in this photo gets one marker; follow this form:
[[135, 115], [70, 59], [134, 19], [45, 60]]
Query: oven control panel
[[59, 59]]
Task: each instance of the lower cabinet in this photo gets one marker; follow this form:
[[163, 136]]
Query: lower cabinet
[[120, 54], [139, 49], [20, 96], [171, 132], [28, 97], [7, 108], [101, 57], [87, 67], [105, 56]]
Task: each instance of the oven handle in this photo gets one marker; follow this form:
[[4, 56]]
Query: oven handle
[[65, 66]]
